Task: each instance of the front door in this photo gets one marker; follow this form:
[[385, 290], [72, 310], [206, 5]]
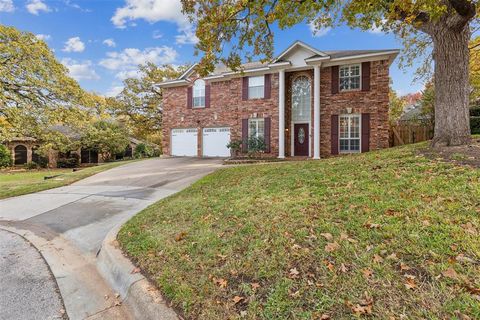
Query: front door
[[300, 139]]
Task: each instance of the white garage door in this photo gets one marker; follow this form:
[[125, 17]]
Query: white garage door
[[215, 142], [184, 142]]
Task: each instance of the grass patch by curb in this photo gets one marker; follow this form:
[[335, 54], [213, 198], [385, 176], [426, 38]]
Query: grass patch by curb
[[384, 234], [19, 183]]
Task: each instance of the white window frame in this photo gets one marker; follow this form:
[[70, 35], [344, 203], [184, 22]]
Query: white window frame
[[198, 91], [251, 86], [257, 126], [350, 116], [349, 66]]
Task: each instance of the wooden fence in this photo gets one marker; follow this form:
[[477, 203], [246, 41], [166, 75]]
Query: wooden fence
[[408, 132]]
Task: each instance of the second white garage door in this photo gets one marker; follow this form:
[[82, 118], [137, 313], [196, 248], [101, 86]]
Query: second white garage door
[[215, 142], [184, 142]]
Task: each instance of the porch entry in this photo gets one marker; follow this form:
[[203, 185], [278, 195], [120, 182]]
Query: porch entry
[[301, 141]]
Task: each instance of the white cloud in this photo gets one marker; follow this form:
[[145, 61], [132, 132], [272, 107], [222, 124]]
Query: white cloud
[[6, 6], [81, 70], [154, 11], [318, 32], [126, 62], [157, 34], [110, 43], [187, 37], [114, 91], [149, 10], [74, 45], [378, 29], [35, 6], [44, 37]]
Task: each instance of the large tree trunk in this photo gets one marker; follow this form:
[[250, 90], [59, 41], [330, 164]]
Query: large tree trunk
[[451, 57]]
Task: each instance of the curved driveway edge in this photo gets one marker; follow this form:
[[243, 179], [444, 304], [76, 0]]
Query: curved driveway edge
[[69, 224], [29, 290], [138, 294]]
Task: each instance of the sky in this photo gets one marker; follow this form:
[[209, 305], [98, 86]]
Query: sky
[[103, 41]]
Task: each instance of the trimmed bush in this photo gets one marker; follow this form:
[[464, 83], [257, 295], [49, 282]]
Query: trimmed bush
[[5, 157], [71, 162]]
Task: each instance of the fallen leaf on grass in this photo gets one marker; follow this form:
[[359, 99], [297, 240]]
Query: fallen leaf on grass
[[470, 228], [365, 307], [329, 265], [294, 273], [180, 236], [255, 286], [450, 273], [367, 273], [410, 283], [237, 299], [332, 246], [343, 268], [327, 236], [370, 225], [222, 283], [404, 267], [377, 258]]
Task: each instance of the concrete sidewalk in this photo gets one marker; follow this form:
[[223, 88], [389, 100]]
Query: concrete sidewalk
[[69, 224]]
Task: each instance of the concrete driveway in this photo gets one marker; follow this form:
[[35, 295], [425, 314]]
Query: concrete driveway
[[68, 224]]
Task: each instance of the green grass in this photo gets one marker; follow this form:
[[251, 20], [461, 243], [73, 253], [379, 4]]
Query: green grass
[[255, 232], [18, 183]]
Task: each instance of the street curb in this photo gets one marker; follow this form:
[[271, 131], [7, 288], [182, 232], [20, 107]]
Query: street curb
[[136, 292]]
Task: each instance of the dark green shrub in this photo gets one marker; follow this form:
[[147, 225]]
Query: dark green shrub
[[143, 150], [71, 162], [475, 125], [256, 146], [5, 157]]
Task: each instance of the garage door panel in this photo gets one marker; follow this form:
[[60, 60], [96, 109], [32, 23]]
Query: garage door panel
[[184, 142], [215, 142]]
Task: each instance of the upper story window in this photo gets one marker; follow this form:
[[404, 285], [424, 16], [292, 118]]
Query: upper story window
[[350, 77], [349, 125], [199, 94], [301, 99], [256, 87]]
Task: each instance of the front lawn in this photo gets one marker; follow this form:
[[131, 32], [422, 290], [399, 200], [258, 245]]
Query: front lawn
[[388, 235], [18, 183]]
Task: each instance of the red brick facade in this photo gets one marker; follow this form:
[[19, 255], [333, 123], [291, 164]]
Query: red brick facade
[[228, 109]]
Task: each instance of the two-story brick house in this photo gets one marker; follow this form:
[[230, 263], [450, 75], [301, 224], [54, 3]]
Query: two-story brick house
[[305, 102]]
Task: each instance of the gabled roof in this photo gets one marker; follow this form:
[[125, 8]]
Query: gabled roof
[[282, 62], [296, 44]]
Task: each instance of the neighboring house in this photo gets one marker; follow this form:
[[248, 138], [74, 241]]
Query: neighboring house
[[305, 102], [414, 113], [23, 151]]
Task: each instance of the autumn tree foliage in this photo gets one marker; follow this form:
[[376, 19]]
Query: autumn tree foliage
[[139, 106], [244, 29]]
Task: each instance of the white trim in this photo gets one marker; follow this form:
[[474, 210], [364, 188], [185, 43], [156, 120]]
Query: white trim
[[173, 83], [302, 44], [316, 112], [366, 55], [281, 114], [312, 61], [186, 73], [280, 64]]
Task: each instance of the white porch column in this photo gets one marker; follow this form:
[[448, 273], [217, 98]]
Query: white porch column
[[281, 114], [316, 112]]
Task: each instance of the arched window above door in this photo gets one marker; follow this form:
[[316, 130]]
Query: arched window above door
[[301, 99]]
